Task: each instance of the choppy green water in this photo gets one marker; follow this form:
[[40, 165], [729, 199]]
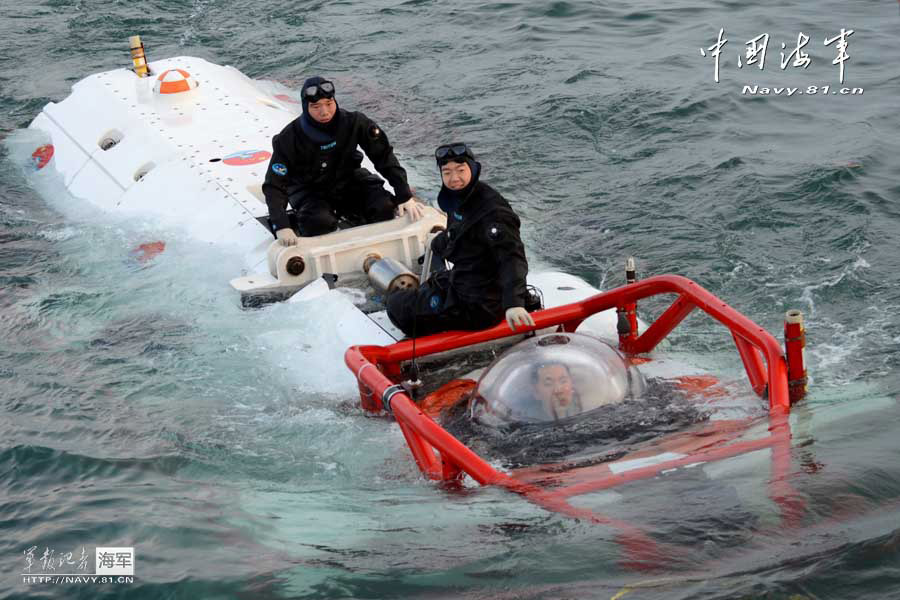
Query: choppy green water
[[141, 407]]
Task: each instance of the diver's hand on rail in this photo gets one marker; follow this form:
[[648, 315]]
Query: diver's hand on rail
[[518, 315], [439, 243], [413, 207], [286, 236]]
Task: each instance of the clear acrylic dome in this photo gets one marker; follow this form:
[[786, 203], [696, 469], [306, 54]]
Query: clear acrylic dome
[[553, 377]]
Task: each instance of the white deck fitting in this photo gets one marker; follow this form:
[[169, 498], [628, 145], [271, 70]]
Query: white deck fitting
[[344, 253]]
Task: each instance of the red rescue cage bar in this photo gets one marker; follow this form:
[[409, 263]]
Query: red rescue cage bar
[[753, 342], [375, 366], [442, 457]]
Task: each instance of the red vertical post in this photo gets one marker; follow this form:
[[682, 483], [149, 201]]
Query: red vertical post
[[450, 471], [627, 325], [367, 398], [795, 349]]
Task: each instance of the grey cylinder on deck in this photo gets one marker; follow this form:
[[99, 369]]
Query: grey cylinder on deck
[[388, 275]]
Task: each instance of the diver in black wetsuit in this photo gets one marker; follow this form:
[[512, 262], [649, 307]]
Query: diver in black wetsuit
[[316, 167], [487, 281]]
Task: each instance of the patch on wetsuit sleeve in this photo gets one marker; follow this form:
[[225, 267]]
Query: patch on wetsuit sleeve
[[494, 232], [279, 169], [374, 132]]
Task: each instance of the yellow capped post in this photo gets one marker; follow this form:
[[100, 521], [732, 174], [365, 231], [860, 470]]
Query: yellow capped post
[[138, 57]]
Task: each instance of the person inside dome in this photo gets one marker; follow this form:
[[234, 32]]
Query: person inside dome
[[557, 394], [552, 378], [554, 391]]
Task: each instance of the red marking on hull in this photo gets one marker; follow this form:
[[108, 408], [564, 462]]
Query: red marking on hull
[[246, 157], [148, 251], [41, 157], [286, 98]]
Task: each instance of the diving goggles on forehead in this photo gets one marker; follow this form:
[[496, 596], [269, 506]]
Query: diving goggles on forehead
[[314, 93], [451, 151]]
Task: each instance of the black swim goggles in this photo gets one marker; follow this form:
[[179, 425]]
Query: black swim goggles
[[314, 93], [449, 152]]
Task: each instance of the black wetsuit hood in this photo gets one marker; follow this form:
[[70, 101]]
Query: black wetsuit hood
[[321, 133], [451, 200]]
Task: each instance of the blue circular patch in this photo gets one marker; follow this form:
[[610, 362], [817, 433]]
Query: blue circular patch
[[279, 169], [435, 302]]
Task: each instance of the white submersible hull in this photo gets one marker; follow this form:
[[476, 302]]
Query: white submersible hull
[[187, 147]]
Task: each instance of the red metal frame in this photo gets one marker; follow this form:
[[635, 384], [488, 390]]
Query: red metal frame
[[795, 342], [750, 338], [442, 457]]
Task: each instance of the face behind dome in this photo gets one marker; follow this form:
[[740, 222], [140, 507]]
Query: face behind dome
[[553, 377], [554, 390]]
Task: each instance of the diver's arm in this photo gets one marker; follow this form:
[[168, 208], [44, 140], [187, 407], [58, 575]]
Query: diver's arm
[[439, 243], [375, 143], [274, 187], [502, 233]]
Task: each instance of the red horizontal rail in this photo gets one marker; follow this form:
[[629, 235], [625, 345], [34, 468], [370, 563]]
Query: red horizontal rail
[[690, 296]]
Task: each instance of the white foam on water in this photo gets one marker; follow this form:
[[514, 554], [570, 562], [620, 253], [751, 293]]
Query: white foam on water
[[58, 235], [836, 360], [809, 291]]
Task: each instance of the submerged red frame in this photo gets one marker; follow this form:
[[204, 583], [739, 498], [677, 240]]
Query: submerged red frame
[[442, 457]]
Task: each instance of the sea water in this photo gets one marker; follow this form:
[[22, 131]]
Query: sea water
[[142, 407]]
